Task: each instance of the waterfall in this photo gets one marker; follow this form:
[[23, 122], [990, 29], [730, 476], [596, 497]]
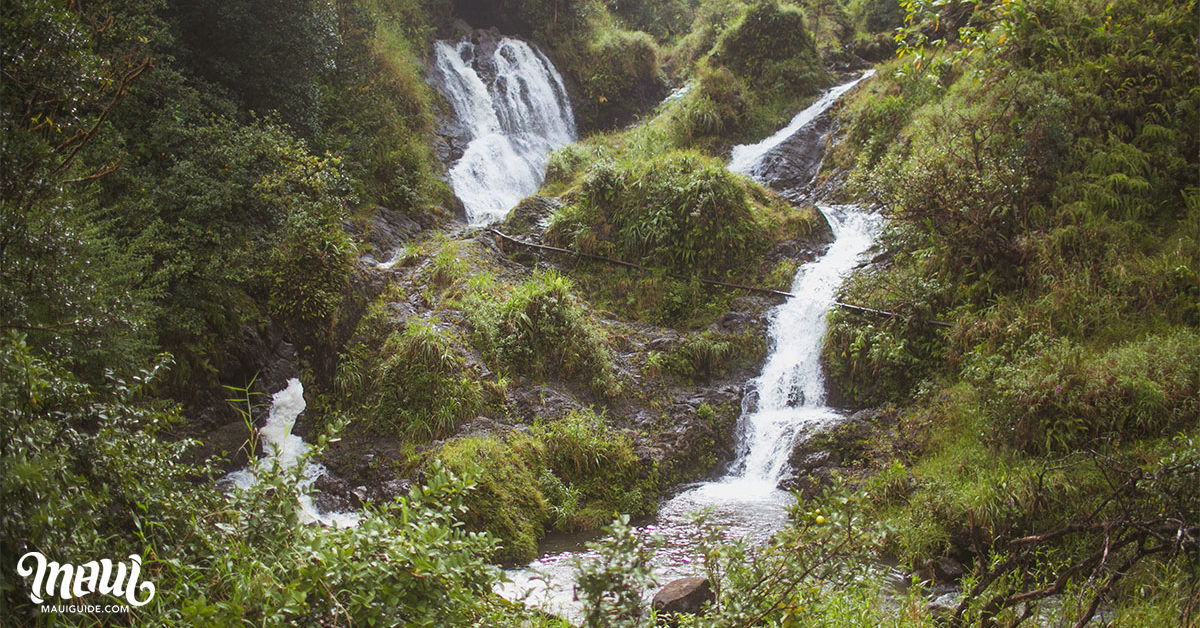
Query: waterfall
[[791, 388], [790, 391], [788, 395], [512, 109], [286, 448], [748, 159]]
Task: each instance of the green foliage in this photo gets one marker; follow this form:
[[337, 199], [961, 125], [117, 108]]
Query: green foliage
[[598, 465], [239, 222], [825, 543], [71, 448], [611, 582], [76, 293], [713, 113], [1051, 221], [271, 54], [377, 114], [680, 212], [425, 569], [310, 266], [68, 448], [663, 19], [790, 580], [877, 16], [423, 387], [1064, 397], [541, 329], [869, 359], [712, 18], [711, 354]]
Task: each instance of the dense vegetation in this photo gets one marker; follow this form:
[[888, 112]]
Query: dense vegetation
[[186, 184], [1040, 162]]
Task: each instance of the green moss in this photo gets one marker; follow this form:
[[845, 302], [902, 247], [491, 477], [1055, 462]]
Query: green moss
[[507, 501]]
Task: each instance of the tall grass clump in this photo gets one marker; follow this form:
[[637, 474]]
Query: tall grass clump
[[572, 473], [681, 212], [421, 387], [542, 330]]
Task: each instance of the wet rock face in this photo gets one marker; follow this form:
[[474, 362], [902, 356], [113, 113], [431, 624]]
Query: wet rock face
[[791, 166], [685, 595], [387, 230], [529, 218], [489, 14], [839, 447]]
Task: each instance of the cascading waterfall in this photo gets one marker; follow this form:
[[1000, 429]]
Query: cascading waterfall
[[788, 398], [791, 388], [286, 448], [512, 121], [747, 159]]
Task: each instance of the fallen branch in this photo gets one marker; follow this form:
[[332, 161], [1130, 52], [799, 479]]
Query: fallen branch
[[711, 282]]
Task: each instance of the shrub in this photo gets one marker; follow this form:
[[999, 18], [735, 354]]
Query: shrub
[[620, 77], [541, 329], [872, 359], [310, 266], [424, 388], [770, 48], [612, 578], [877, 16], [680, 212]]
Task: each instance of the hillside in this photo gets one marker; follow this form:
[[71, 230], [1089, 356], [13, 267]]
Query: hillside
[[202, 203]]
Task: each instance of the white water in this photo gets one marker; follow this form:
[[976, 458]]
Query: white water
[[790, 393], [514, 121], [746, 158], [791, 388], [284, 447]]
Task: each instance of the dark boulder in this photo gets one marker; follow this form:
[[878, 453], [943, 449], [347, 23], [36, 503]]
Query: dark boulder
[[840, 446], [685, 595]]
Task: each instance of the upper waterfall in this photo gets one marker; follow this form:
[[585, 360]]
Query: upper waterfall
[[788, 160], [512, 108]]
